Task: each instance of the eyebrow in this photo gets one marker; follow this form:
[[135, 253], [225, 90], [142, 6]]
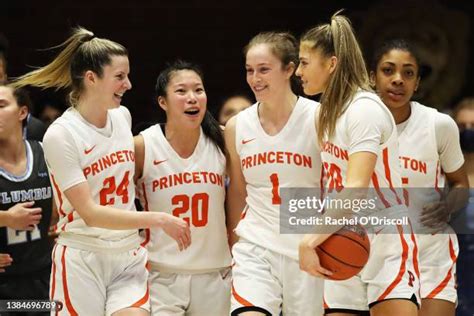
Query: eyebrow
[[404, 65]]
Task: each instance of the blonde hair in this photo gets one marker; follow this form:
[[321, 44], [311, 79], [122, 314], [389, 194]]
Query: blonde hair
[[82, 52], [337, 39]]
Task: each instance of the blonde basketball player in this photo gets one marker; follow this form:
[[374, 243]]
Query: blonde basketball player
[[355, 121], [430, 155], [98, 264], [181, 169], [267, 152]]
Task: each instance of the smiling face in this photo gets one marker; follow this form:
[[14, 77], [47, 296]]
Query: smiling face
[[186, 100], [110, 88], [266, 75], [314, 69], [11, 113], [396, 78]]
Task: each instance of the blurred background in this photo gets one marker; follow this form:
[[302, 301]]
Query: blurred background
[[212, 33]]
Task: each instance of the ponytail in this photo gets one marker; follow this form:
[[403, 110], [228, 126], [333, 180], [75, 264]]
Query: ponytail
[[337, 39], [82, 52]]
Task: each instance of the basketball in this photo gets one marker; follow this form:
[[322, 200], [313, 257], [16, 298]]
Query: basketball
[[345, 253]]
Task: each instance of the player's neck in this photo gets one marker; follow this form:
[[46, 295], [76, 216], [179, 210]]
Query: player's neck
[[184, 142], [12, 153], [92, 113], [401, 114], [278, 110]]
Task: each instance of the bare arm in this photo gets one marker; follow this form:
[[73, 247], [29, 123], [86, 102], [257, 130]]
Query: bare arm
[[236, 192], [96, 215], [139, 156], [361, 166]]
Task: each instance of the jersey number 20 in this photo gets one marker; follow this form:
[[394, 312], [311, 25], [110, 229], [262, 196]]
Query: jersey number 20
[[199, 203]]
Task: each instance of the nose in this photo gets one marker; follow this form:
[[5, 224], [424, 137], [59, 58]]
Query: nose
[[128, 84], [192, 97], [397, 79], [298, 71]]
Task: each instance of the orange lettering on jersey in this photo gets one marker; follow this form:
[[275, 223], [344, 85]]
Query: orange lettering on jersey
[[278, 157], [187, 178], [413, 164], [101, 164], [335, 151]]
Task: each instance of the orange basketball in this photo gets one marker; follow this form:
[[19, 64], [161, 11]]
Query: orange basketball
[[345, 253]]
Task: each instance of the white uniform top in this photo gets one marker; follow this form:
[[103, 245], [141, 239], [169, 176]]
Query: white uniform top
[[366, 126], [289, 159], [192, 189], [76, 151], [429, 146]]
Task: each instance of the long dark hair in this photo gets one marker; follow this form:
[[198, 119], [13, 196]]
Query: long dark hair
[[209, 124]]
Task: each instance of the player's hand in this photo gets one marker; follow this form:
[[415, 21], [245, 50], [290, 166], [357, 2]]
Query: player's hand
[[5, 261], [23, 216], [177, 229], [309, 260], [435, 215]]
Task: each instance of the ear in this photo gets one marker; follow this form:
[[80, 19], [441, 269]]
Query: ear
[[290, 69], [417, 84], [372, 79], [23, 112], [332, 64], [162, 103], [89, 77]]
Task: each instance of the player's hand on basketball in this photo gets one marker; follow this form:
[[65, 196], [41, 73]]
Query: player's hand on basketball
[[5, 261], [23, 216], [309, 260], [177, 229], [435, 215]]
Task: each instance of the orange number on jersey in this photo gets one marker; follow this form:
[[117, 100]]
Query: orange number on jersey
[[405, 191], [110, 188], [334, 174], [199, 208], [276, 199]]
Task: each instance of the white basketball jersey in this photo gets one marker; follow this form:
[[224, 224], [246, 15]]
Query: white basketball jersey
[[192, 189], [386, 180], [422, 177], [419, 157], [108, 165], [290, 159]]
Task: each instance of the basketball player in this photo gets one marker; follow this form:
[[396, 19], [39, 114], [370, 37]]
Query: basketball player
[[430, 155], [24, 189], [266, 151], [357, 123], [181, 166], [98, 264]]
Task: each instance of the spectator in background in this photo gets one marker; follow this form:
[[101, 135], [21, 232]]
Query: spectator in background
[[49, 112], [464, 221], [34, 128], [231, 106]]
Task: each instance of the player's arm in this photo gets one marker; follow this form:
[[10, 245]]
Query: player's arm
[[139, 144], [452, 162], [62, 158], [365, 136], [236, 191]]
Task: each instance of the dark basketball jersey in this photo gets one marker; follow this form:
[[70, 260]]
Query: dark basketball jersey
[[30, 250]]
